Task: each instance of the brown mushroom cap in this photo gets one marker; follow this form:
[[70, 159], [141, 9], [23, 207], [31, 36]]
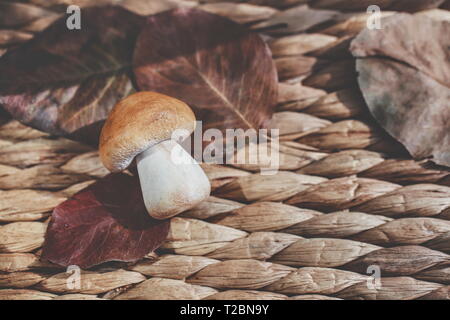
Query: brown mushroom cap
[[138, 122]]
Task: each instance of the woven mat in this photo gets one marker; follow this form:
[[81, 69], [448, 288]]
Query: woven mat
[[348, 201]]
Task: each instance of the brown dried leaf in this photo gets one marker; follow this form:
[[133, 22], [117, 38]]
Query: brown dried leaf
[[409, 58], [201, 58], [43, 85]]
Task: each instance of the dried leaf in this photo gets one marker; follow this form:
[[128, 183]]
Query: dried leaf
[[106, 221], [64, 81], [222, 70], [409, 58]]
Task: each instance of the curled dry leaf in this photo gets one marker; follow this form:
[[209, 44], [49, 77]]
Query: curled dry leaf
[[404, 75], [219, 68], [65, 82], [106, 221]]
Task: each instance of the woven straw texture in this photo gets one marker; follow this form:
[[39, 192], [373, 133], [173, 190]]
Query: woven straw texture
[[347, 197]]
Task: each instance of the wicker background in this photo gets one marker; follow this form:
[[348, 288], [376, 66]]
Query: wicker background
[[347, 196]]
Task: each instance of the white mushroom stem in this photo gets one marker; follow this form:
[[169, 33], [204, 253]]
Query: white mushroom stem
[[171, 180]]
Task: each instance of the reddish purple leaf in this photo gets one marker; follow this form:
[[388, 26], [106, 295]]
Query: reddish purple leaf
[[222, 70], [64, 81], [106, 221]]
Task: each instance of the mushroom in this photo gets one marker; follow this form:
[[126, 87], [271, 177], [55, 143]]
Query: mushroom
[[141, 126]]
